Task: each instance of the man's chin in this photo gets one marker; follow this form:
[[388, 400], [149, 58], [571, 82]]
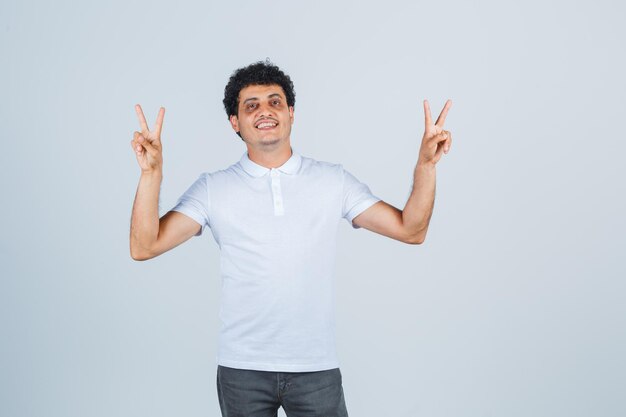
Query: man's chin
[[270, 141], [266, 141]]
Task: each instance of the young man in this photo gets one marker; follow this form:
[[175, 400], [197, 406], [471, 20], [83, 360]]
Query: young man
[[274, 215]]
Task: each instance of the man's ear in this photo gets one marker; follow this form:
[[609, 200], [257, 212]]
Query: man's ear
[[234, 122], [291, 114]]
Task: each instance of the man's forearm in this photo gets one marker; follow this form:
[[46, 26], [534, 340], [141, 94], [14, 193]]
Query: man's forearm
[[144, 224], [419, 207]]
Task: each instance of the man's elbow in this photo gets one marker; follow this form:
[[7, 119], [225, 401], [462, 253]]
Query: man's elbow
[[139, 255], [417, 238], [415, 241]]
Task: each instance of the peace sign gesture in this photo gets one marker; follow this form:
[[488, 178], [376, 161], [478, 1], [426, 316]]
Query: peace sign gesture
[[436, 140], [147, 143]]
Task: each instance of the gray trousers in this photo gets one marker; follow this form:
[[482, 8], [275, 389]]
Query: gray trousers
[[248, 393]]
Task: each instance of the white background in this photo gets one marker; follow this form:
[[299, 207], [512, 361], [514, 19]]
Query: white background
[[514, 305]]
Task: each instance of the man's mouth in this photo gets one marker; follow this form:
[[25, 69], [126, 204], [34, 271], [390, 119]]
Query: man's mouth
[[266, 125]]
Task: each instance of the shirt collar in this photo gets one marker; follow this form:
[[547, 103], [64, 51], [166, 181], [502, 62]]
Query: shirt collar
[[290, 167]]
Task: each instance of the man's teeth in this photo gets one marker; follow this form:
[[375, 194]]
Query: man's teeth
[[266, 124]]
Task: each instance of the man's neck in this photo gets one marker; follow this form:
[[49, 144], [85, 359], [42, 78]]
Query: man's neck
[[272, 159]]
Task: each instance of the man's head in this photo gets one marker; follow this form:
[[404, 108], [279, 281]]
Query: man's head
[[256, 93]]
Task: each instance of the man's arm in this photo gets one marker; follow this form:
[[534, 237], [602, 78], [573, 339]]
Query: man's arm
[[149, 235], [411, 224]]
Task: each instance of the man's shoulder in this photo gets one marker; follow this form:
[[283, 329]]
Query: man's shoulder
[[316, 165], [221, 173]]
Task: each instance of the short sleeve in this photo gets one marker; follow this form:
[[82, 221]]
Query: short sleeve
[[357, 197], [195, 202]]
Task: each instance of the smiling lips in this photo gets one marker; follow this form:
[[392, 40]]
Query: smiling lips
[[266, 124]]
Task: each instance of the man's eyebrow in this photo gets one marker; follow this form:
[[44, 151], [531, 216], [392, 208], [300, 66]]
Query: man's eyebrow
[[251, 98], [256, 98]]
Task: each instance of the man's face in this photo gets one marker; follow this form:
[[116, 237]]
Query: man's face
[[264, 118]]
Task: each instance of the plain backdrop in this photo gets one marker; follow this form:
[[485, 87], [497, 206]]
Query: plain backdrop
[[514, 305]]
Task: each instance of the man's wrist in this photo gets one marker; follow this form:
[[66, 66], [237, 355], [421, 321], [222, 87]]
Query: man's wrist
[[424, 166], [155, 174]]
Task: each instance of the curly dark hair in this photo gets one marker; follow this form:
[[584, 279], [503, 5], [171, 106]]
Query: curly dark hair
[[258, 73]]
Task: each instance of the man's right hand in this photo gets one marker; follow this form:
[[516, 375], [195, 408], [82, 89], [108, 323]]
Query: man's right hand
[[147, 143]]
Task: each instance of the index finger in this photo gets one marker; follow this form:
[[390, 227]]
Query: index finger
[[142, 118], [442, 117], [159, 122], [427, 117]]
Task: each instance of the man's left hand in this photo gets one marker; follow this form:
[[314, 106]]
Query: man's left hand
[[436, 140]]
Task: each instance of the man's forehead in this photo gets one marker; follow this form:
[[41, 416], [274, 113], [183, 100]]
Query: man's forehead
[[260, 90]]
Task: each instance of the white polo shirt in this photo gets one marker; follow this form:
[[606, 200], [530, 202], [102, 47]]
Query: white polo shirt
[[276, 229]]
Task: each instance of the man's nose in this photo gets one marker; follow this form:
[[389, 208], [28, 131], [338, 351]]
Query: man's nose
[[265, 110]]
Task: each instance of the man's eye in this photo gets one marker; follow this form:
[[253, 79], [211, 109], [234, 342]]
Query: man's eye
[[251, 105], [276, 102]]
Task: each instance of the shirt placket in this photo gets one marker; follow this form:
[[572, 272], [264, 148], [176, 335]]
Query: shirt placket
[[277, 194]]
